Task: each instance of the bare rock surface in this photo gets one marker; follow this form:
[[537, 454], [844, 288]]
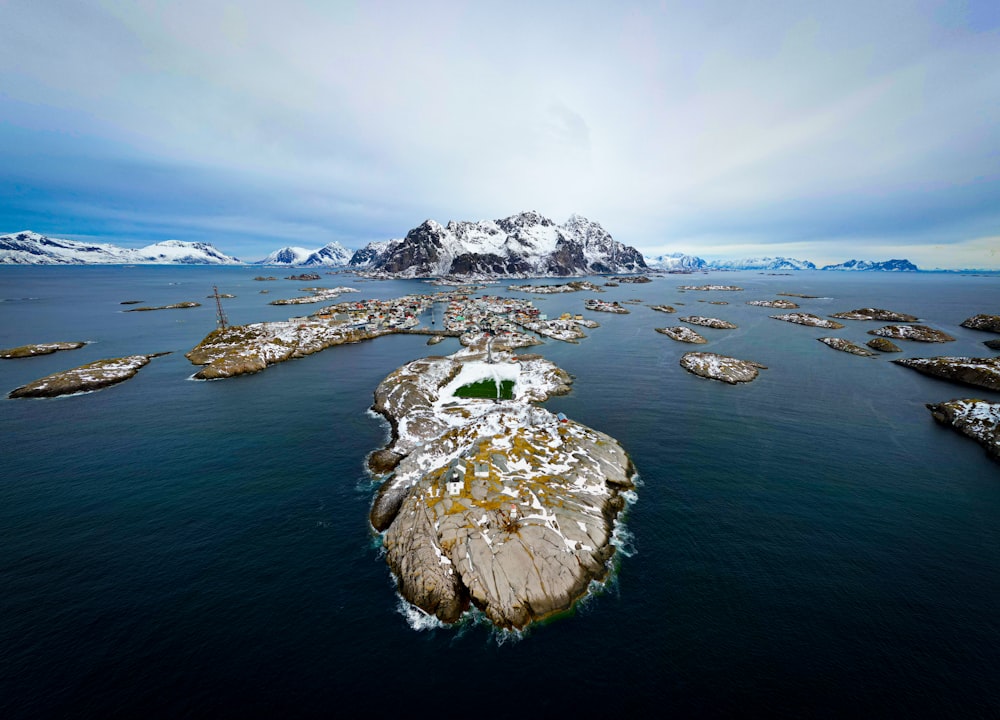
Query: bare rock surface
[[776, 304], [25, 351], [86, 378], [494, 503], [918, 333], [992, 344], [977, 419], [883, 345], [978, 372], [708, 322], [875, 314], [664, 308], [846, 346], [989, 323], [801, 318], [721, 367], [682, 334]]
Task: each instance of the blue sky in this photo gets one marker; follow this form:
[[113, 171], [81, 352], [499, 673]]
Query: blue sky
[[822, 131]]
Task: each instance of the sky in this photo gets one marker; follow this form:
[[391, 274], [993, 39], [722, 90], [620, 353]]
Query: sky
[[816, 130]]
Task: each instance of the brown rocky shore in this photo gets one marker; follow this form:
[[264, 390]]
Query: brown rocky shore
[[26, 351], [977, 419]]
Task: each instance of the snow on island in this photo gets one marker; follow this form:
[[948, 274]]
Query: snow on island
[[493, 503], [978, 419], [721, 367], [38, 349], [86, 378]]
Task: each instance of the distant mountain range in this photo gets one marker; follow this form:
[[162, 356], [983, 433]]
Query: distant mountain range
[[679, 262], [523, 245], [30, 248]]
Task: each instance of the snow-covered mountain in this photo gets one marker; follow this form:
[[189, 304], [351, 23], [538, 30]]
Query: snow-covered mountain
[[331, 255], [31, 248], [877, 266], [676, 262], [526, 244], [764, 263]]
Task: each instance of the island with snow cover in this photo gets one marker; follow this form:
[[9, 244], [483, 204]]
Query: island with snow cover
[[492, 501]]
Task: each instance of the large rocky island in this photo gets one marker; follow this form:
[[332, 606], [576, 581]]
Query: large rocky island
[[492, 501], [977, 419]]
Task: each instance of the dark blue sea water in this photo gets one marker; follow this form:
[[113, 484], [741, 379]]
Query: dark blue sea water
[[810, 544]]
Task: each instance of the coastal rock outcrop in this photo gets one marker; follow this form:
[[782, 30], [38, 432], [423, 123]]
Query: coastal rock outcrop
[[682, 334], [721, 367], [25, 351], [978, 372], [875, 314], [801, 318], [846, 346], [708, 322], [989, 323], [86, 378], [883, 345], [977, 419], [919, 333], [494, 503]]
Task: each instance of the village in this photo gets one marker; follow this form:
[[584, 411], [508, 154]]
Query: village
[[463, 316]]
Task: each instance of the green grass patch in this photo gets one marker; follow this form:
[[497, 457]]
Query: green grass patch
[[487, 389]]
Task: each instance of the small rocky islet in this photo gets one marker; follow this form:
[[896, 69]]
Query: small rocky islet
[[682, 334], [721, 367], [987, 323], [493, 503], [776, 304], [883, 345], [917, 333], [875, 314], [709, 322], [34, 350], [86, 378], [802, 318], [846, 346], [173, 306]]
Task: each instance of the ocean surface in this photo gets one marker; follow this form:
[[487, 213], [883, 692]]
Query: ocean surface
[[810, 544]]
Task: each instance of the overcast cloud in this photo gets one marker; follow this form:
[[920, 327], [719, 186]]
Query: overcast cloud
[[724, 129]]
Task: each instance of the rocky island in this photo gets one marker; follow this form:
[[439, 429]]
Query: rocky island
[[977, 419], [595, 305], [664, 308], [682, 334], [917, 333], [846, 346], [989, 323], [493, 502], [875, 314], [721, 367], [883, 345], [86, 378], [978, 372], [801, 318], [25, 351], [174, 306], [776, 304], [727, 288], [708, 322]]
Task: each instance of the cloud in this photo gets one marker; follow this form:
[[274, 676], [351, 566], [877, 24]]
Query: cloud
[[717, 125]]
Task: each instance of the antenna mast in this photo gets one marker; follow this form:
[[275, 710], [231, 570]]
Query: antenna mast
[[220, 314]]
